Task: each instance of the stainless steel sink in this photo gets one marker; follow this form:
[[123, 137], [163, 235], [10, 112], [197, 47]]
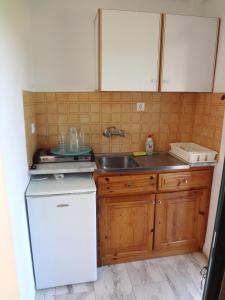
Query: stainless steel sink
[[117, 162]]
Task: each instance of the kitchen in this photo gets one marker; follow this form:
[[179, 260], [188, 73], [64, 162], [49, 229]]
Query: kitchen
[[60, 93]]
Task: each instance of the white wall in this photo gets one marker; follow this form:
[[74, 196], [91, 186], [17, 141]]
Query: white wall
[[64, 52], [8, 277], [217, 8], [63, 37], [63, 56], [15, 75], [215, 195]]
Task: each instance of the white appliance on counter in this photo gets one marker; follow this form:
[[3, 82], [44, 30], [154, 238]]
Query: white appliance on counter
[[62, 222]]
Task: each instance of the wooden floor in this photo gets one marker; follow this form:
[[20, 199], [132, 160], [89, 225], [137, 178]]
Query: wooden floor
[[167, 278]]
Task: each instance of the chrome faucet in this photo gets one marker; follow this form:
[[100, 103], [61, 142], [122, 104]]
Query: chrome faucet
[[110, 131]]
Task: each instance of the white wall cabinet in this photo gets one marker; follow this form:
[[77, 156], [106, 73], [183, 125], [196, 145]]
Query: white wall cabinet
[[189, 53], [129, 45]]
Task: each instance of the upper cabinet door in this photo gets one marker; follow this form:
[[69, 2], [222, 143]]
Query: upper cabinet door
[[129, 45], [189, 53]]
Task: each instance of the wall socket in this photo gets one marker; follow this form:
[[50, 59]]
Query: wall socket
[[140, 106]]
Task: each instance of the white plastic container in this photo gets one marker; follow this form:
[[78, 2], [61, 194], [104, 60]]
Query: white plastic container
[[149, 146], [193, 153]]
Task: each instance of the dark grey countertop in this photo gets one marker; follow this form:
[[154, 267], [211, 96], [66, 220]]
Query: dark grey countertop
[[159, 161]]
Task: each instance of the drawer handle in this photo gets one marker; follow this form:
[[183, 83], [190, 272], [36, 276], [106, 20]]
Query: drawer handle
[[62, 205], [180, 181]]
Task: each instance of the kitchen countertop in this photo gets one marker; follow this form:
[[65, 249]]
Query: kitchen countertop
[[159, 161], [63, 167]]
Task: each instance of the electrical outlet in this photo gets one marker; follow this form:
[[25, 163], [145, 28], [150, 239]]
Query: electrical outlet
[[33, 128], [140, 106]]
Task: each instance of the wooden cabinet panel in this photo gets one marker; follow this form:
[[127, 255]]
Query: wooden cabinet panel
[[184, 180], [117, 185], [126, 227], [180, 220], [134, 223], [129, 50], [189, 53]]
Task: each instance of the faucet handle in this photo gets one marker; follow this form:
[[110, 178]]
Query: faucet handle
[[122, 133], [109, 131]]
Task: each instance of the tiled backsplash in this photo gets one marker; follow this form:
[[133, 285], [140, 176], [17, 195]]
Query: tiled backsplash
[[29, 118], [208, 121], [170, 117]]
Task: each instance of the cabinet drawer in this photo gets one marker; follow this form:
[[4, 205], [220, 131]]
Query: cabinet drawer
[[111, 185], [184, 180]]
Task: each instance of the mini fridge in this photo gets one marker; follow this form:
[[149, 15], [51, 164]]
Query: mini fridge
[[62, 223]]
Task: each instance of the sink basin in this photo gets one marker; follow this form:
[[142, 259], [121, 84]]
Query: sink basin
[[117, 162]]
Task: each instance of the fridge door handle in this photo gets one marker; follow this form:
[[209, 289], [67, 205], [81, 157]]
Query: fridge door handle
[[62, 205]]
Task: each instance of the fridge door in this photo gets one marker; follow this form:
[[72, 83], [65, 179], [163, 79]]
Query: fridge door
[[63, 239]]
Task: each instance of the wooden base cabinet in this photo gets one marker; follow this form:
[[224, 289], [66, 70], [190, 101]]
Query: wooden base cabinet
[[180, 220], [150, 215], [126, 227]]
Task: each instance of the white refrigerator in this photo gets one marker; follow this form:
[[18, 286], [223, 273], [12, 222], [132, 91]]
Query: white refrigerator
[[62, 223]]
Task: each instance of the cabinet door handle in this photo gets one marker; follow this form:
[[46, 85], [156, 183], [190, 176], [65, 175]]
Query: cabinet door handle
[[129, 184], [163, 181], [153, 202], [201, 213], [159, 202], [166, 81]]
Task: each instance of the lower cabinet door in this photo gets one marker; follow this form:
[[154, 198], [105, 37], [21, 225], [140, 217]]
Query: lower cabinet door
[[126, 227], [180, 220]]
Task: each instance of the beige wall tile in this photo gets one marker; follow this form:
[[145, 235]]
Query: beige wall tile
[[106, 108], [95, 118], [73, 107], [126, 107], [84, 119], [95, 107], [53, 118], [52, 129], [62, 118], [208, 120], [52, 107], [62, 108], [169, 116], [115, 96], [73, 118], [94, 96], [84, 107]]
